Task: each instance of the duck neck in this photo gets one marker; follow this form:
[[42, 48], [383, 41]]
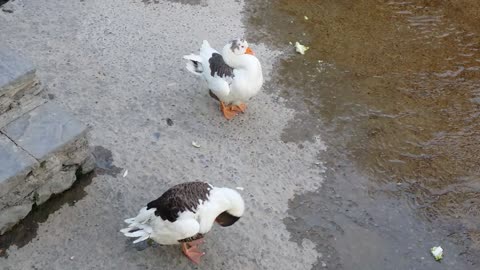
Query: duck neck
[[236, 205]]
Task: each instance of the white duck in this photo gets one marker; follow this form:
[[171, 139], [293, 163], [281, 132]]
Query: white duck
[[184, 214], [233, 77]]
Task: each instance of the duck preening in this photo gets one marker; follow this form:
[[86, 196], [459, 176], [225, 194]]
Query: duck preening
[[233, 77], [184, 214]]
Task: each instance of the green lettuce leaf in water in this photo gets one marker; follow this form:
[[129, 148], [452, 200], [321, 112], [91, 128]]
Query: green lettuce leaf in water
[[301, 49], [437, 252]]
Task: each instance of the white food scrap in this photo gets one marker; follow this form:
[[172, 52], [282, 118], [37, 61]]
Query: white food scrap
[[301, 49], [437, 252], [195, 144]]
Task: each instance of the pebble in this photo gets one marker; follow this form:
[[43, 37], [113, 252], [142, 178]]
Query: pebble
[[8, 8]]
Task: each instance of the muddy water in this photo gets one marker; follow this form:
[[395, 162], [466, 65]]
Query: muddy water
[[394, 89]]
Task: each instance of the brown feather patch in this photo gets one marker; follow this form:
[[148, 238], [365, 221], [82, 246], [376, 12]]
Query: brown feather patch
[[180, 198]]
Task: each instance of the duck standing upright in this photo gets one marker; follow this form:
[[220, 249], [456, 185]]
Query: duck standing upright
[[233, 77], [184, 214]]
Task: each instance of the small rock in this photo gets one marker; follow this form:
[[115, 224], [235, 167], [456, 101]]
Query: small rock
[[169, 122], [12, 215], [8, 8], [73, 257], [88, 164], [324, 264], [475, 100]]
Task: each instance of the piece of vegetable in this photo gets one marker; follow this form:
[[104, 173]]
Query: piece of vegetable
[[301, 49], [437, 252]]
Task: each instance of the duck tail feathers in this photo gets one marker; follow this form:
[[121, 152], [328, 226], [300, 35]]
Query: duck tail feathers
[[137, 226], [205, 45], [194, 64]]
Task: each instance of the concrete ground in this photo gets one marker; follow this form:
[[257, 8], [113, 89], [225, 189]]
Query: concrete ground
[[117, 66]]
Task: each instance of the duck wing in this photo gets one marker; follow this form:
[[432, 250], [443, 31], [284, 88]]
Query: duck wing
[[180, 198], [211, 66], [220, 76], [219, 68]]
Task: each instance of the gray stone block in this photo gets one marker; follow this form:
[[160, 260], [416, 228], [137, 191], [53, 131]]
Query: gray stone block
[[22, 192], [14, 163], [89, 164], [7, 114], [10, 216], [15, 71], [44, 130], [60, 182]]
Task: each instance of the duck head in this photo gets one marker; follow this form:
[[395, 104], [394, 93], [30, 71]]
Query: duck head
[[240, 47], [235, 210]]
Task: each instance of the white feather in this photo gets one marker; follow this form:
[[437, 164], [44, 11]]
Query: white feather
[[143, 238], [135, 234], [198, 69], [193, 57], [191, 67]]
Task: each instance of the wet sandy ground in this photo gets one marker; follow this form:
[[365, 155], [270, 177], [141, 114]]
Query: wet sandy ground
[[391, 87]]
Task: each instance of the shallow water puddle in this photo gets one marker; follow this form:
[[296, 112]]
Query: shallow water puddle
[[393, 88]]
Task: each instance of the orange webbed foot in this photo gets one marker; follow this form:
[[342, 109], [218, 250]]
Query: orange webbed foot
[[192, 252], [228, 111], [242, 107]]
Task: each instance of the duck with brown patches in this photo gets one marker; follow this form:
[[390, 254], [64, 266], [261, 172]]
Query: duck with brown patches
[[184, 214]]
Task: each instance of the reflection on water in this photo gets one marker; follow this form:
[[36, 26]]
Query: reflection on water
[[395, 87]]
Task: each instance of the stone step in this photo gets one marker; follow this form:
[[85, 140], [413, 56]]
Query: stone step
[[18, 81], [40, 154], [42, 147], [15, 163]]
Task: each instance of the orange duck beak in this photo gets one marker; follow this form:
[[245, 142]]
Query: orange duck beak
[[249, 51]]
